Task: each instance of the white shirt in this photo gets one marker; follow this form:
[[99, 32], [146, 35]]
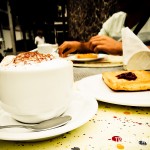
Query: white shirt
[[39, 40], [113, 26]]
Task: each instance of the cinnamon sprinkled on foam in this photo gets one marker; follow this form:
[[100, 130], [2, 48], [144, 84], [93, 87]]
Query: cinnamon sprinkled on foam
[[31, 57]]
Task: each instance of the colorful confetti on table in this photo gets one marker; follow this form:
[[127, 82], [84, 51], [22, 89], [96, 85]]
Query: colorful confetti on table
[[114, 127]]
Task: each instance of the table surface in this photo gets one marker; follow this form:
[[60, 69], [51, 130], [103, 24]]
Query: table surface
[[113, 127]]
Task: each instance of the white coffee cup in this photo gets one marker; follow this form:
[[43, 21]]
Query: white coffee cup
[[35, 93], [47, 48]]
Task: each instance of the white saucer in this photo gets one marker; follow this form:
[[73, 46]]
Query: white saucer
[[98, 89], [82, 109]]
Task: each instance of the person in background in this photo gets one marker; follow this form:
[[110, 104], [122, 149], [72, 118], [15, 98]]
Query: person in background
[[133, 14], [39, 39]]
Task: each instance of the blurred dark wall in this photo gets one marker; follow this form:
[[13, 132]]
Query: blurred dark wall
[[85, 17]]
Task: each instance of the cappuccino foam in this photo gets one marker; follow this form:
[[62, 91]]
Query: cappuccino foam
[[30, 60]]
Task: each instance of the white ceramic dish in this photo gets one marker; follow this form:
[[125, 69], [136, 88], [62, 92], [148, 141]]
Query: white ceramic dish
[[55, 53], [74, 58], [47, 48], [95, 85], [82, 109]]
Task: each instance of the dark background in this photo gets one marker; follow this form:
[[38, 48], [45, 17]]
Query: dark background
[[84, 19], [31, 15]]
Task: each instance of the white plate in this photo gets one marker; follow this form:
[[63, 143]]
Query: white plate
[[82, 109], [95, 85], [74, 58]]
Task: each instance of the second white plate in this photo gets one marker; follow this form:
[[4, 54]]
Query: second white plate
[[98, 89], [74, 58]]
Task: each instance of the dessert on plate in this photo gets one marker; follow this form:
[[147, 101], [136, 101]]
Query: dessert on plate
[[87, 55], [133, 80]]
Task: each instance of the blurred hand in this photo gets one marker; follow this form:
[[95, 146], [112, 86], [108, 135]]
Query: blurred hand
[[105, 44], [68, 47]]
